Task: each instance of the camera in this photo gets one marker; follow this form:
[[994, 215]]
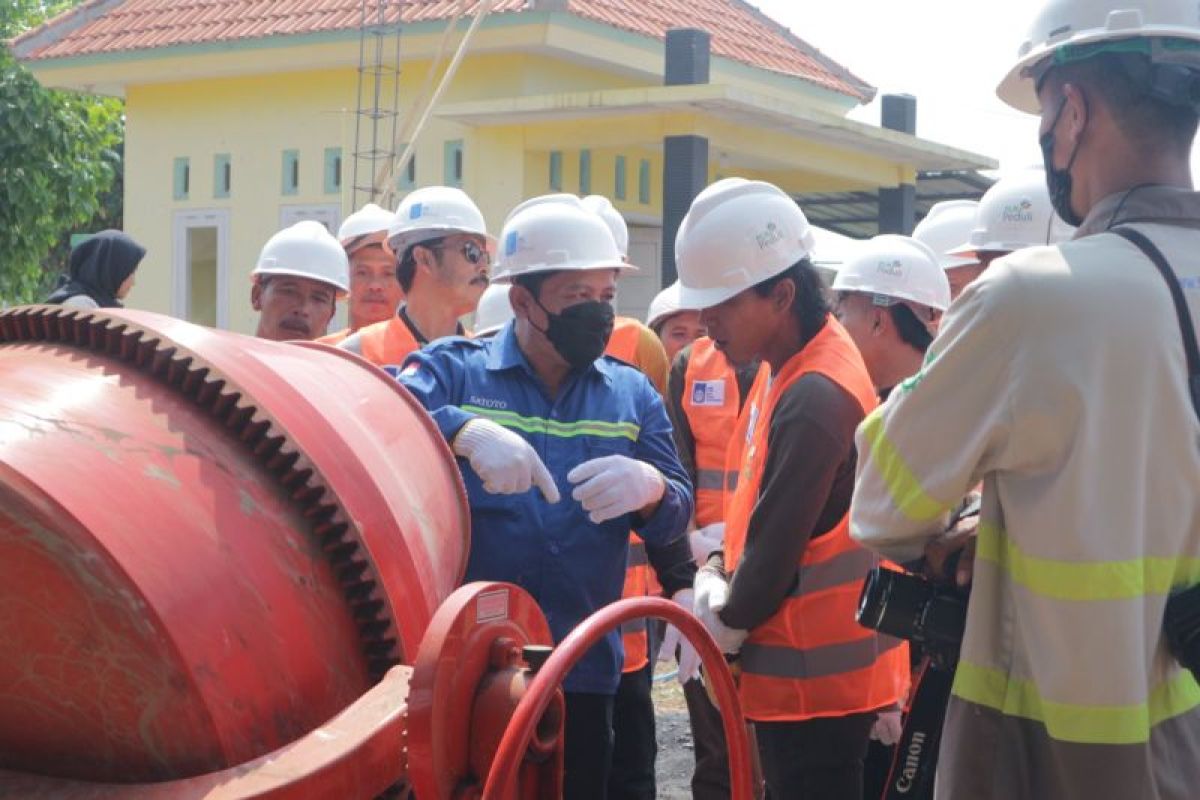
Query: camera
[[1181, 624], [910, 607]]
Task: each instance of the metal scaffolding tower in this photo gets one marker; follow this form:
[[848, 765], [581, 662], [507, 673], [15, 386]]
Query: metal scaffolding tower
[[378, 113]]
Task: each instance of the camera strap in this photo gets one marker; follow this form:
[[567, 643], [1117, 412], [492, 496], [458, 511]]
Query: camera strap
[[1190, 346], [915, 763]]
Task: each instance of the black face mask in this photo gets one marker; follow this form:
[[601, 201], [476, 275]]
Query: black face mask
[[580, 332], [1058, 181]]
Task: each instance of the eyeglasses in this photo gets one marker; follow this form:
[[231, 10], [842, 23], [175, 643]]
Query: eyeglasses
[[471, 252]]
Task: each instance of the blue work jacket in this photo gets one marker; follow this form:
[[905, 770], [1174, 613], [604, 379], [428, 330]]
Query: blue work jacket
[[570, 565]]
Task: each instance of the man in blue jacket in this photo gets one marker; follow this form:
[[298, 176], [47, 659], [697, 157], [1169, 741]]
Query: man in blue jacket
[[563, 449]]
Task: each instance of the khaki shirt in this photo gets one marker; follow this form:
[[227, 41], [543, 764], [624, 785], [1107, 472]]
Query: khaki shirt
[[1058, 379]]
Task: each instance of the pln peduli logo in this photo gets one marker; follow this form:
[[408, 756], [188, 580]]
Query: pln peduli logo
[[769, 235], [893, 267], [1018, 213]]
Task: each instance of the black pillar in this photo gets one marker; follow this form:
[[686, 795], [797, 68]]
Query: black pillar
[[685, 174], [685, 158], [898, 204]]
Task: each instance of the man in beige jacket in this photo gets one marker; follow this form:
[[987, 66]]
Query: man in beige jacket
[[1059, 379]]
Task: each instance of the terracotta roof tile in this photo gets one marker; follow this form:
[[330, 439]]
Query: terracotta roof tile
[[739, 31]]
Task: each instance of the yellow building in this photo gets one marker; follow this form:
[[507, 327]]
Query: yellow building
[[243, 117]]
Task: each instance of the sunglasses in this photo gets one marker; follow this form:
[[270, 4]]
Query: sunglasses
[[472, 253]]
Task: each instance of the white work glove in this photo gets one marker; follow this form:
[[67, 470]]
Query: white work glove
[[705, 541], [712, 593], [503, 460], [689, 659], [612, 486], [888, 727]]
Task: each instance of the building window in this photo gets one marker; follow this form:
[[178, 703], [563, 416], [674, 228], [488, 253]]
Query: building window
[[619, 175], [222, 175], [182, 178], [454, 163], [585, 171], [333, 170], [644, 182], [556, 183], [291, 172], [408, 176]]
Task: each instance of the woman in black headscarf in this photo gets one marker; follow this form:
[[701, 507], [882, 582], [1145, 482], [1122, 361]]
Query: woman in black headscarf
[[102, 269]]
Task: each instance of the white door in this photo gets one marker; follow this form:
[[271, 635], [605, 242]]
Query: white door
[[200, 267], [637, 289]]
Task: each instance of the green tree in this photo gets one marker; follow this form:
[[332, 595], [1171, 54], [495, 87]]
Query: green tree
[[60, 156]]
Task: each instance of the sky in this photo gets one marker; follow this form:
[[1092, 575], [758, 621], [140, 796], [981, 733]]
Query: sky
[[950, 54]]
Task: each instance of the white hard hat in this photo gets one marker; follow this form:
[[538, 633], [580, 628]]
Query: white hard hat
[[360, 228], [434, 212], [1064, 23], [665, 304], [555, 232], [1015, 213], [737, 234], [898, 268], [947, 225], [600, 205], [494, 309], [305, 250]]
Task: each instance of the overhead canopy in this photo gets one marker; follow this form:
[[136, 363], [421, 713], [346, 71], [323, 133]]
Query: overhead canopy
[[856, 213], [725, 114]]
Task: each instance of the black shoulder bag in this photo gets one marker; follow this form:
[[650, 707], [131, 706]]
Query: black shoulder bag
[[1181, 620]]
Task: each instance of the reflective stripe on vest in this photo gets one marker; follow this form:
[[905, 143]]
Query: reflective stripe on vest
[[623, 345], [710, 403], [387, 342], [633, 633], [811, 658]]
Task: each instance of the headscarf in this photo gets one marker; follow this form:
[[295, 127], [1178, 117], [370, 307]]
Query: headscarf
[[99, 265]]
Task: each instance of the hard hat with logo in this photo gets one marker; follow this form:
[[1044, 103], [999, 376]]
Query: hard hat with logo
[[665, 304], [947, 225], [896, 268], [552, 233], [368, 225], [1070, 30], [1015, 213], [603, 207], [305, 250], [737, 234], [434, 212], [494, 309]]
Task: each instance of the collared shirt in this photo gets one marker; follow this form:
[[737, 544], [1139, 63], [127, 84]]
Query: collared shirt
[[1058, 378], [571, 566]]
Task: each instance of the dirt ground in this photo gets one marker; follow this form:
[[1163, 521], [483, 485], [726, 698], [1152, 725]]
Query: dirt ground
[[675, 760]]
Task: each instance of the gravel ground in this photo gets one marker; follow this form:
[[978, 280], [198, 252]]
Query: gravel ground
[[675, 760]]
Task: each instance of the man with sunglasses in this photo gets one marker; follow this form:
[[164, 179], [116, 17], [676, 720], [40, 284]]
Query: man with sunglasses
[[443, 254]]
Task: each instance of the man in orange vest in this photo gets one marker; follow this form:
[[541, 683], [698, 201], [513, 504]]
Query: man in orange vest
[[781, 595], [443, 254], [704, 394], [375, 292]]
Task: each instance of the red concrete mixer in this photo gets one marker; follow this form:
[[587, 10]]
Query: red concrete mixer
[[230, 567]]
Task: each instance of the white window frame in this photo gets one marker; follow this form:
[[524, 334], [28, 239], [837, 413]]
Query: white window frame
[[331, 215], [183, 221], [328, 213]]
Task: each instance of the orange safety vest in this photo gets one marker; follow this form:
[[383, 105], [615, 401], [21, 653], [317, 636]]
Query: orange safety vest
[[710, 403], [811, 658], [387, 342], [335, 338], [639, 580]]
